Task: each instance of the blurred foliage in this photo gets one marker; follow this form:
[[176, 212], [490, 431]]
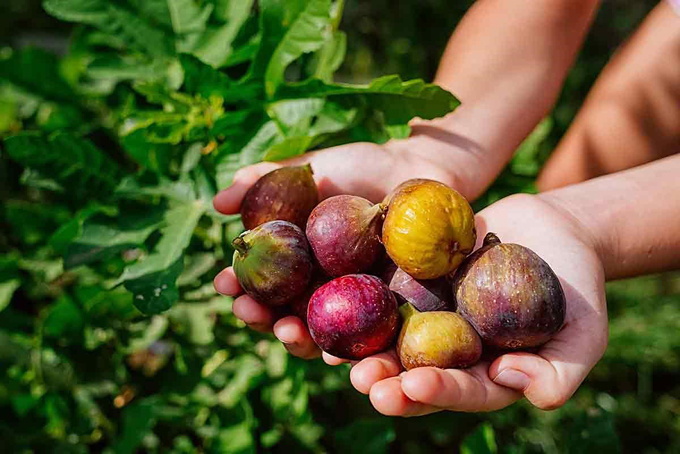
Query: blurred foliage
[[82, 370]]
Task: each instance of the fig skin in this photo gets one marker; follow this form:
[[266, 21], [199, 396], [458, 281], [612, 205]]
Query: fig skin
[[344, 233], [353, 316], [439, 338], [424, 295], [273, 262], [429, 229], [285, 194], [299, 305], [510, 295]]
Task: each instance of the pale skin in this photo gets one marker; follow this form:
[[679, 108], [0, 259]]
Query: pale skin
[[455, 150]]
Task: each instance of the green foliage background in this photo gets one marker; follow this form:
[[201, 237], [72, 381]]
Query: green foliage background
[[112, 152]]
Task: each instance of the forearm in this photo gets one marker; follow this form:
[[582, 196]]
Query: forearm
[[631, 115], [632, 217], [506, 61]]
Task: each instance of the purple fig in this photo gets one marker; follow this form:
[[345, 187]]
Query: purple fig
[[424, 295], [299, 305], [286, 194], [344, 233], [510, 295], [438, 339], [353, 316], [273, 262]]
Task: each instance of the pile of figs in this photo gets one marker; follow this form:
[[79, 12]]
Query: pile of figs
[[367, 277]]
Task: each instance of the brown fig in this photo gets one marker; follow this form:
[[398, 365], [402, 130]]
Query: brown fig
[[285, 194], [510, 295]]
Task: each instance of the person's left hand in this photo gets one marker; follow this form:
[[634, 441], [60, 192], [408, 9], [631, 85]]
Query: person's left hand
[[549, 377]]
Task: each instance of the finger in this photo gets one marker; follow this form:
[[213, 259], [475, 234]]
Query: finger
[[333, 360], [257, 316], [388, 398], [371, 370], [549, 378], [228, 201], [295, 337], [226, 283], [457, 389]]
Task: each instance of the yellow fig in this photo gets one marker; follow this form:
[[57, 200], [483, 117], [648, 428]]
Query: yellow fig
[[429, 229]]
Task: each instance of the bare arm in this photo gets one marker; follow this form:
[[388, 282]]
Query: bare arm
[[632, 114], [507, 61], [633, 217]]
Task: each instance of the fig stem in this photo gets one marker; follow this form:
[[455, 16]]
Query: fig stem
[[308, 167], [407, 310], [491, 239], [240, 245]]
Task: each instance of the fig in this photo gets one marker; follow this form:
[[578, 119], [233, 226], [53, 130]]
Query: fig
[[353, 316], [285, 194], [272, 262], [439, 338], [510, 295], [424, 295], [344, 233], [429, 229]]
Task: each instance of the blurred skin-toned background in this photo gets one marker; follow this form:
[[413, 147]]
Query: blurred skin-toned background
[[630, 401]]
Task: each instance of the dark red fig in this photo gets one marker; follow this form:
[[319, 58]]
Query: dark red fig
[[344, 233], [353, 316], [273, 262], [424, 295], [285, 194], [510, 295]]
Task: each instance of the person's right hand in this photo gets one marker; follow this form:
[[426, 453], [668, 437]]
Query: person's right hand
[[363, 169]]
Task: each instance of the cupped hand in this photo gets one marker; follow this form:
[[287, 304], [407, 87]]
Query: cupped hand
[[547, 378], [363, 169]]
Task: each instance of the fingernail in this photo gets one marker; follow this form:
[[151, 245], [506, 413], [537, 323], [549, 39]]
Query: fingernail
[[512, 378]]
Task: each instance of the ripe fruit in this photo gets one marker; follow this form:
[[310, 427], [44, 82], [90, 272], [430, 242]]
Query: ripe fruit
[[353, 316], [344, 233], [424, 295], [286, 194], [440, 339], [510, 295], [272, 262], [429, 229]]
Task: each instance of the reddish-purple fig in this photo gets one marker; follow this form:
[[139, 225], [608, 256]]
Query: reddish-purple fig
[[273, 262], [353, 316], [510, 295], [424, 295], [438, 339], [344, 233], [285, 194]]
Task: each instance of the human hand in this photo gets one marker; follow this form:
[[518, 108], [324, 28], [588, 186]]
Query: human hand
[[546, 378], [363, 169]]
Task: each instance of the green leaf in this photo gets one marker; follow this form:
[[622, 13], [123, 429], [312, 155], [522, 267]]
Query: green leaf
[[187, 16], [215, 46], [120, 20], [7, 289], [252, 153], [138, 420], [398, 101], [72, 229], [155, 157], [73, 162], [289, 148], [196, 321], [481, 441], [37, 72], [305, 34], [65, 319], [153, 279], [329, 58], [527, 159], [206, 81], [236, 439], [100, 241], [374, 435], [152, 332]]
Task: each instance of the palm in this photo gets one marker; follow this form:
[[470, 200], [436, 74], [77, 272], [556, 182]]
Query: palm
[[554, 372]]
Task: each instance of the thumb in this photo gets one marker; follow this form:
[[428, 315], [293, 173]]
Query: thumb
[[545, 384], [362, 169]]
